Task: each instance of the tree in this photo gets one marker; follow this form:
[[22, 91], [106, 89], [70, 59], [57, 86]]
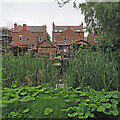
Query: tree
[[48, 37], [103, 17]]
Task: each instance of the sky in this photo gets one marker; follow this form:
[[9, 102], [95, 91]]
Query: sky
[[44, 12]]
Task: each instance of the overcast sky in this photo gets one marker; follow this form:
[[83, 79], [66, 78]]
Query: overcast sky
[[38, 14]]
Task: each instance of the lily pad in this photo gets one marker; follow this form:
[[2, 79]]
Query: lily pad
[[48, 111], [100, 109]]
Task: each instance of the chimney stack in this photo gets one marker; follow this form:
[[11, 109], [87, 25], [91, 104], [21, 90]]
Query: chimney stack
[[53, 26], [15, 25], [24, 27], [44, 28]]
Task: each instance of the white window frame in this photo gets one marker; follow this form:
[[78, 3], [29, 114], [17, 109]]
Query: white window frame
[[20, 36], [72, 38], [40, 39], [95, 39], [55, 39], [65, 38], [28, 38], [29, 47], [77, 30], [60, 30]]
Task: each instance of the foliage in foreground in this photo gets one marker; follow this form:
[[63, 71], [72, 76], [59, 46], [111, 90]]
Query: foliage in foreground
[[46, 102], [84, 68], [96, 69]]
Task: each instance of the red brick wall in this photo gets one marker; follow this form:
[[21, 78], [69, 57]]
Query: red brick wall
[[45, 47], [91, 39], [51, 50], [69, 34], [24, 33]]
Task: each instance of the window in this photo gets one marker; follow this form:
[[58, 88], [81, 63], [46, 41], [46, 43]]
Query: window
[[96, 39], [60, 47], [65, 38], [55, 39], [29, 47], [60, 30], [55, 30], [20, 37], [77, 30], [27, 37], [72, 38], [40, 39]]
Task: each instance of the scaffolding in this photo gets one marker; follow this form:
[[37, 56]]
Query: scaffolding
[[5, 38]]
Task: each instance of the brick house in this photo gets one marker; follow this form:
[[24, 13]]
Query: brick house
[[64, 36], [93, 38], [26, 38], [46, 47]]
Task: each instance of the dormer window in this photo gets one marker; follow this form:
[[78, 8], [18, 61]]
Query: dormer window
[[65, 38], [20, 37], [27, 37], [77, 30], [55, 30], [60, 30], [40, 39]]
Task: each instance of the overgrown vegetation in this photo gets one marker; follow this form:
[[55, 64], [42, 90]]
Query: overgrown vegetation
[[46, 102], [95, 69], [91, 77], [25, 70]]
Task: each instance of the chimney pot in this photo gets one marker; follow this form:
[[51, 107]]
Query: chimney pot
[[24, 26], [53, 26], [15, 25]]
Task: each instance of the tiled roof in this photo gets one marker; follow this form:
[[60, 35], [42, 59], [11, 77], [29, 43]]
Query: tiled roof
[[18, 43], [68, 42], [64, 28], [30, 28], [47, 42]]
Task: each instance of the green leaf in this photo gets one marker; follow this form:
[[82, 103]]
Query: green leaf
[[43, 89], [78, 88], [115, 96], [106, 105], [67, 100], [48, 111], [100, 109], [80, 117], [23, 93], [73, 114], [114, 101], [108, 96], [115, 112], [26, 110]]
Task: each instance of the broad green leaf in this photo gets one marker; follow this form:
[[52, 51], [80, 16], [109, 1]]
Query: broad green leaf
[[106, 105], [80, 117], [114, 101], [73, 114], [115, 112], [43, 89], [100, 109], [24, 93], [115, 96], [26, 110], [67, 100], [48, 111]]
